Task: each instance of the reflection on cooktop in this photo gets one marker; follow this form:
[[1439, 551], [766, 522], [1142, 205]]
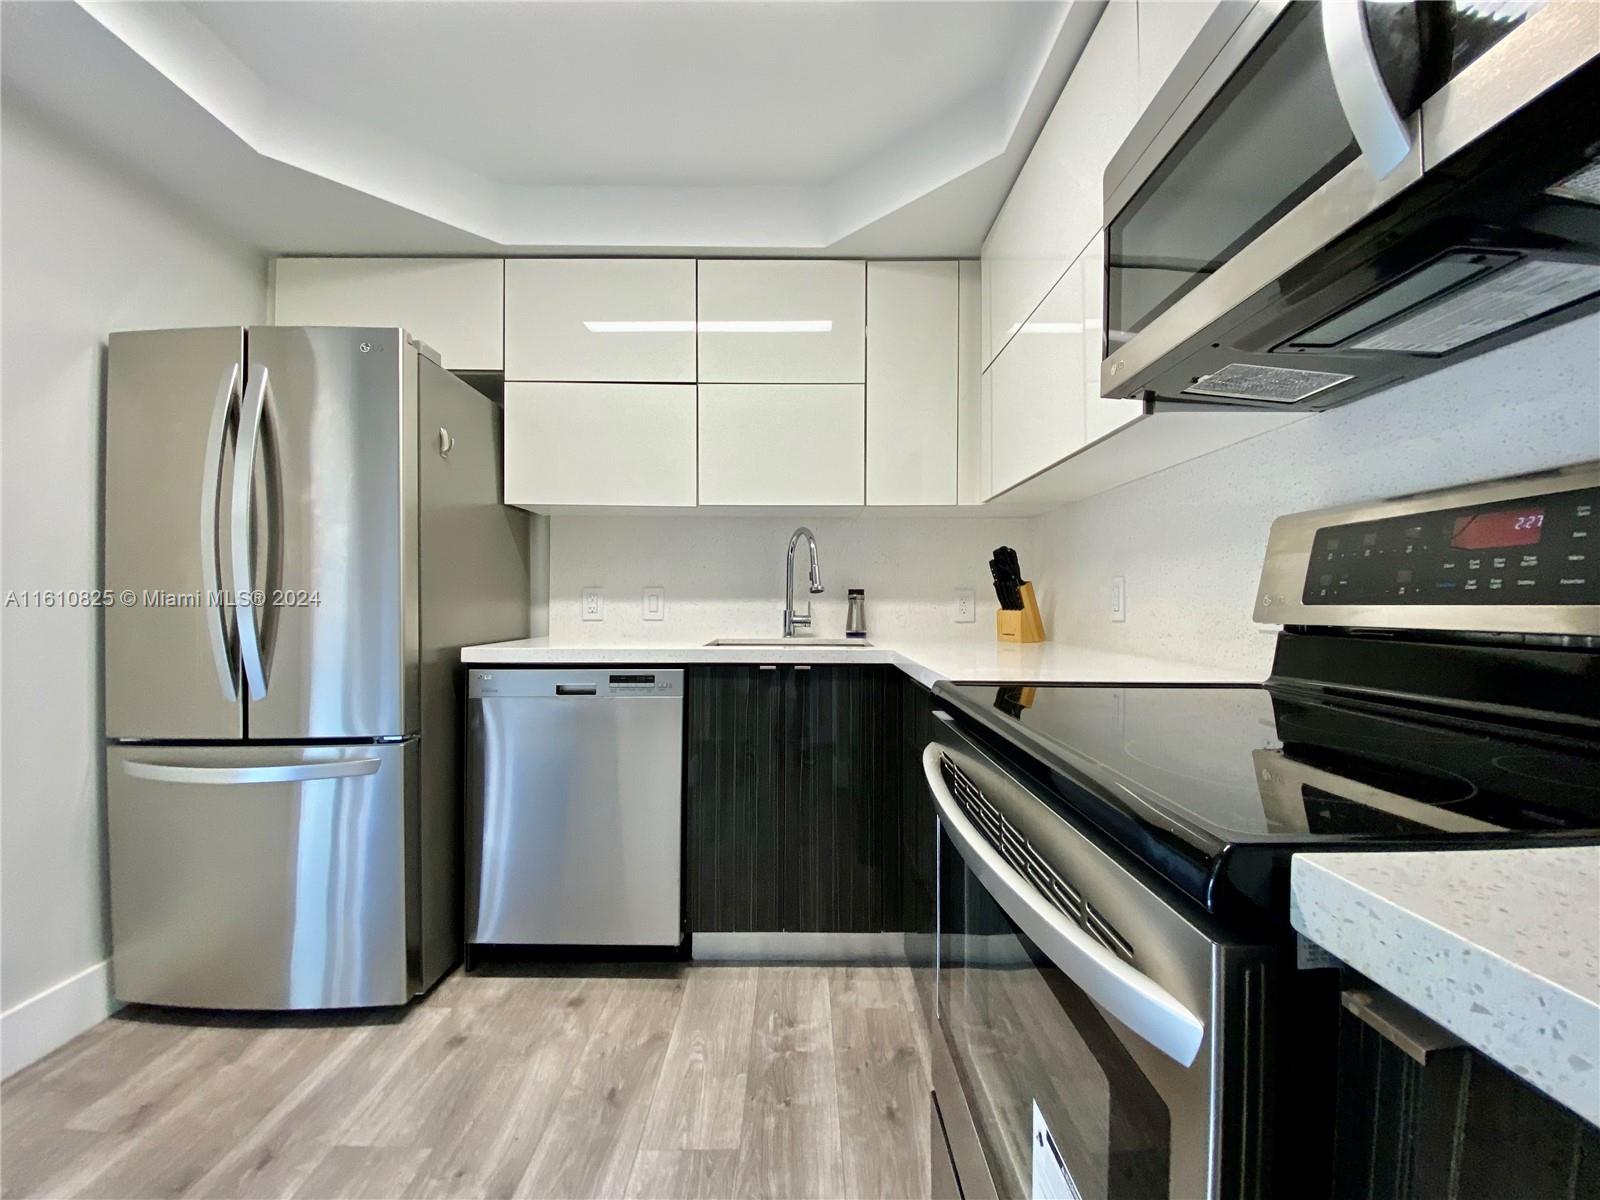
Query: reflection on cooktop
[[1251, 763]]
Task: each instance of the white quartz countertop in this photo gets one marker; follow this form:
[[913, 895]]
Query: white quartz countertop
[[1501, 947], [927, 662]]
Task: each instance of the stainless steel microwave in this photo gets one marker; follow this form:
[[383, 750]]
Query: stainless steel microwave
[[1327, 198]]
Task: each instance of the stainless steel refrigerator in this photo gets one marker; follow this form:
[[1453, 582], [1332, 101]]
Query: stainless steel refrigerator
[[302, 526]]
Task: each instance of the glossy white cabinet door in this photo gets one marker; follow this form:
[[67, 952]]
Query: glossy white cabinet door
[[913, 313], [1037, 387], [1102, 414], [782, 444], [969, 387], [600, 444], [793, 321], [1058, 201], [600, 319], [1166, 29], [454, 305]]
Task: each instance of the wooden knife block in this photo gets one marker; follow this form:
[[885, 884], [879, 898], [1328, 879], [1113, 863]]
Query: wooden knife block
[[1020, 624]]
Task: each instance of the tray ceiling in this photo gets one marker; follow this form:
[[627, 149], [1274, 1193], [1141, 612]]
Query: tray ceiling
[[379, 127]]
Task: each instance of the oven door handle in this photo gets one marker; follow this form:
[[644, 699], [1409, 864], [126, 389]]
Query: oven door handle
[[1130, 996]]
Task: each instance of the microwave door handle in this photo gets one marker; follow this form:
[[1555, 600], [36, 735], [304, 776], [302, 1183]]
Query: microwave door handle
[[1130, 996], [217, 624], [251, 416], [1383, 137]]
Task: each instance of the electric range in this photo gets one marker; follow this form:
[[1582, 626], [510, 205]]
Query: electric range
[[1120, 1001], [1214, 788]]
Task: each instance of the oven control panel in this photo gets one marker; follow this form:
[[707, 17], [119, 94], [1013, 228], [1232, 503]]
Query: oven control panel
[[1538, 549]]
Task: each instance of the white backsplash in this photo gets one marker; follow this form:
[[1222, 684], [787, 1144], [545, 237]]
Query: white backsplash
[[1189, 540], [724, 575]]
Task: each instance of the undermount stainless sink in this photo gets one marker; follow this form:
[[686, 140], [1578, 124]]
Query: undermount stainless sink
[[800, 642]]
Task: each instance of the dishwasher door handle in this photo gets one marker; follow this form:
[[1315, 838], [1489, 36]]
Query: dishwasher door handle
[[575, 689]]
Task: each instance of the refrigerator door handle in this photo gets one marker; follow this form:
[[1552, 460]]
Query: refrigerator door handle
[[217, 624], [252, 416], [342, 768]]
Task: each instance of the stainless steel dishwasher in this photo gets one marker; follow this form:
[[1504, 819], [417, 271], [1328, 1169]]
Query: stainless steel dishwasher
[[574, 807]]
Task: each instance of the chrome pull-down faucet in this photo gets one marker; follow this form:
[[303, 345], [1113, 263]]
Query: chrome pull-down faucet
[[792, 619]]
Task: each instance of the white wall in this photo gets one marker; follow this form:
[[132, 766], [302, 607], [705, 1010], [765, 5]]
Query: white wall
[[1189, 540], [84, 250], [724, 575]]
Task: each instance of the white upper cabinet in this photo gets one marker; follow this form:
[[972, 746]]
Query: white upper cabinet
[[913, 311], [452, 304], [1166, 29], [970, 440], [792, 444], [600, 319], [1036, 388], [766, 321], [1058, 202], [599, 444]]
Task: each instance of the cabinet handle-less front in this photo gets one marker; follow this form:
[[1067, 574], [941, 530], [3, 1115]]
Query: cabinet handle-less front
[[252, 414], [1368, 110], [210, 501], [1133, 998], [284, 773]]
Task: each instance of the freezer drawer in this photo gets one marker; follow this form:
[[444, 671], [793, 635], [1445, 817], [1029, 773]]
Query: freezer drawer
[[268, 877], [575, 807]]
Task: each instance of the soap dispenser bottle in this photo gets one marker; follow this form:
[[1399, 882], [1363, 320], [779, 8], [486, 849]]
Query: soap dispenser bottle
[[855, 620]]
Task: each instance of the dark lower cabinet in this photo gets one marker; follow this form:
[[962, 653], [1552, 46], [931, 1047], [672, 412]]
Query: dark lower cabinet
[[1451, 1126], [793, 799], [919, 839]]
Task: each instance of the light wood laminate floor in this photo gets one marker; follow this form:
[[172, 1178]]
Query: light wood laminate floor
[[669, 1081]]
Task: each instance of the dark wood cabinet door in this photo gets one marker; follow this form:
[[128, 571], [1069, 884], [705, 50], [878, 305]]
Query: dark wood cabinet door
[[919, 838], [793, 800], [734, 784], [842, 871]]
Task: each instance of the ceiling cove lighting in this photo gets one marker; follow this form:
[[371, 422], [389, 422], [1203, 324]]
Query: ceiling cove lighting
[[709, 326]]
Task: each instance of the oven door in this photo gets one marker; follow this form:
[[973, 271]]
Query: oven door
[[1092, 1040]]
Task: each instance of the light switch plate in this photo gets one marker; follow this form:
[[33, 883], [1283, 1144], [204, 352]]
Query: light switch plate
[[653, 604], [594, 604], [966, 606], [1119, 598]]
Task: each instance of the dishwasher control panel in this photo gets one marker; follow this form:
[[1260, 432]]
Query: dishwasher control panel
[[543, 682]]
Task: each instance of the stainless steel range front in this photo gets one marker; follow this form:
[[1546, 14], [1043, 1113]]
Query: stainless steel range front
[[1092, 1039], [1121, 1005]]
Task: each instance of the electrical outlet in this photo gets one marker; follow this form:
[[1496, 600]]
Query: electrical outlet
[[966, 605], [653, 604], [594, 604], [1119, 599]]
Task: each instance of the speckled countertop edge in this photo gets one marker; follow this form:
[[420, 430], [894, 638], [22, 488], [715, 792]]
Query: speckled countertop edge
[[1501, 947], [928, 662]]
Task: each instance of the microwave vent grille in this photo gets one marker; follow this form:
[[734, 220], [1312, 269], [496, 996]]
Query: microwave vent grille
[[1021, 854], [1279, 385], [1497, 301], [1583, 185]]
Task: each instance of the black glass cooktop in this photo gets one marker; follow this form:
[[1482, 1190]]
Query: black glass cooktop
[[1214, 787]]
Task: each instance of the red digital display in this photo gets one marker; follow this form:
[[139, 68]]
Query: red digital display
[[1493, 530]]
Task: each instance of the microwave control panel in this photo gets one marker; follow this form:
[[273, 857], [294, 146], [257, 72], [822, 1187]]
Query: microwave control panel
[[1533, 550]]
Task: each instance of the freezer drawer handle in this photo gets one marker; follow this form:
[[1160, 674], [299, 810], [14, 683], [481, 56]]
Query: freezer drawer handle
[[252, 415], [217, 623], [1135, 999], [342, 768]]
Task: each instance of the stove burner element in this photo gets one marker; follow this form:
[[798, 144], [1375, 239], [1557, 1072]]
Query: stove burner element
[[1552, 769], [1327, 726]]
